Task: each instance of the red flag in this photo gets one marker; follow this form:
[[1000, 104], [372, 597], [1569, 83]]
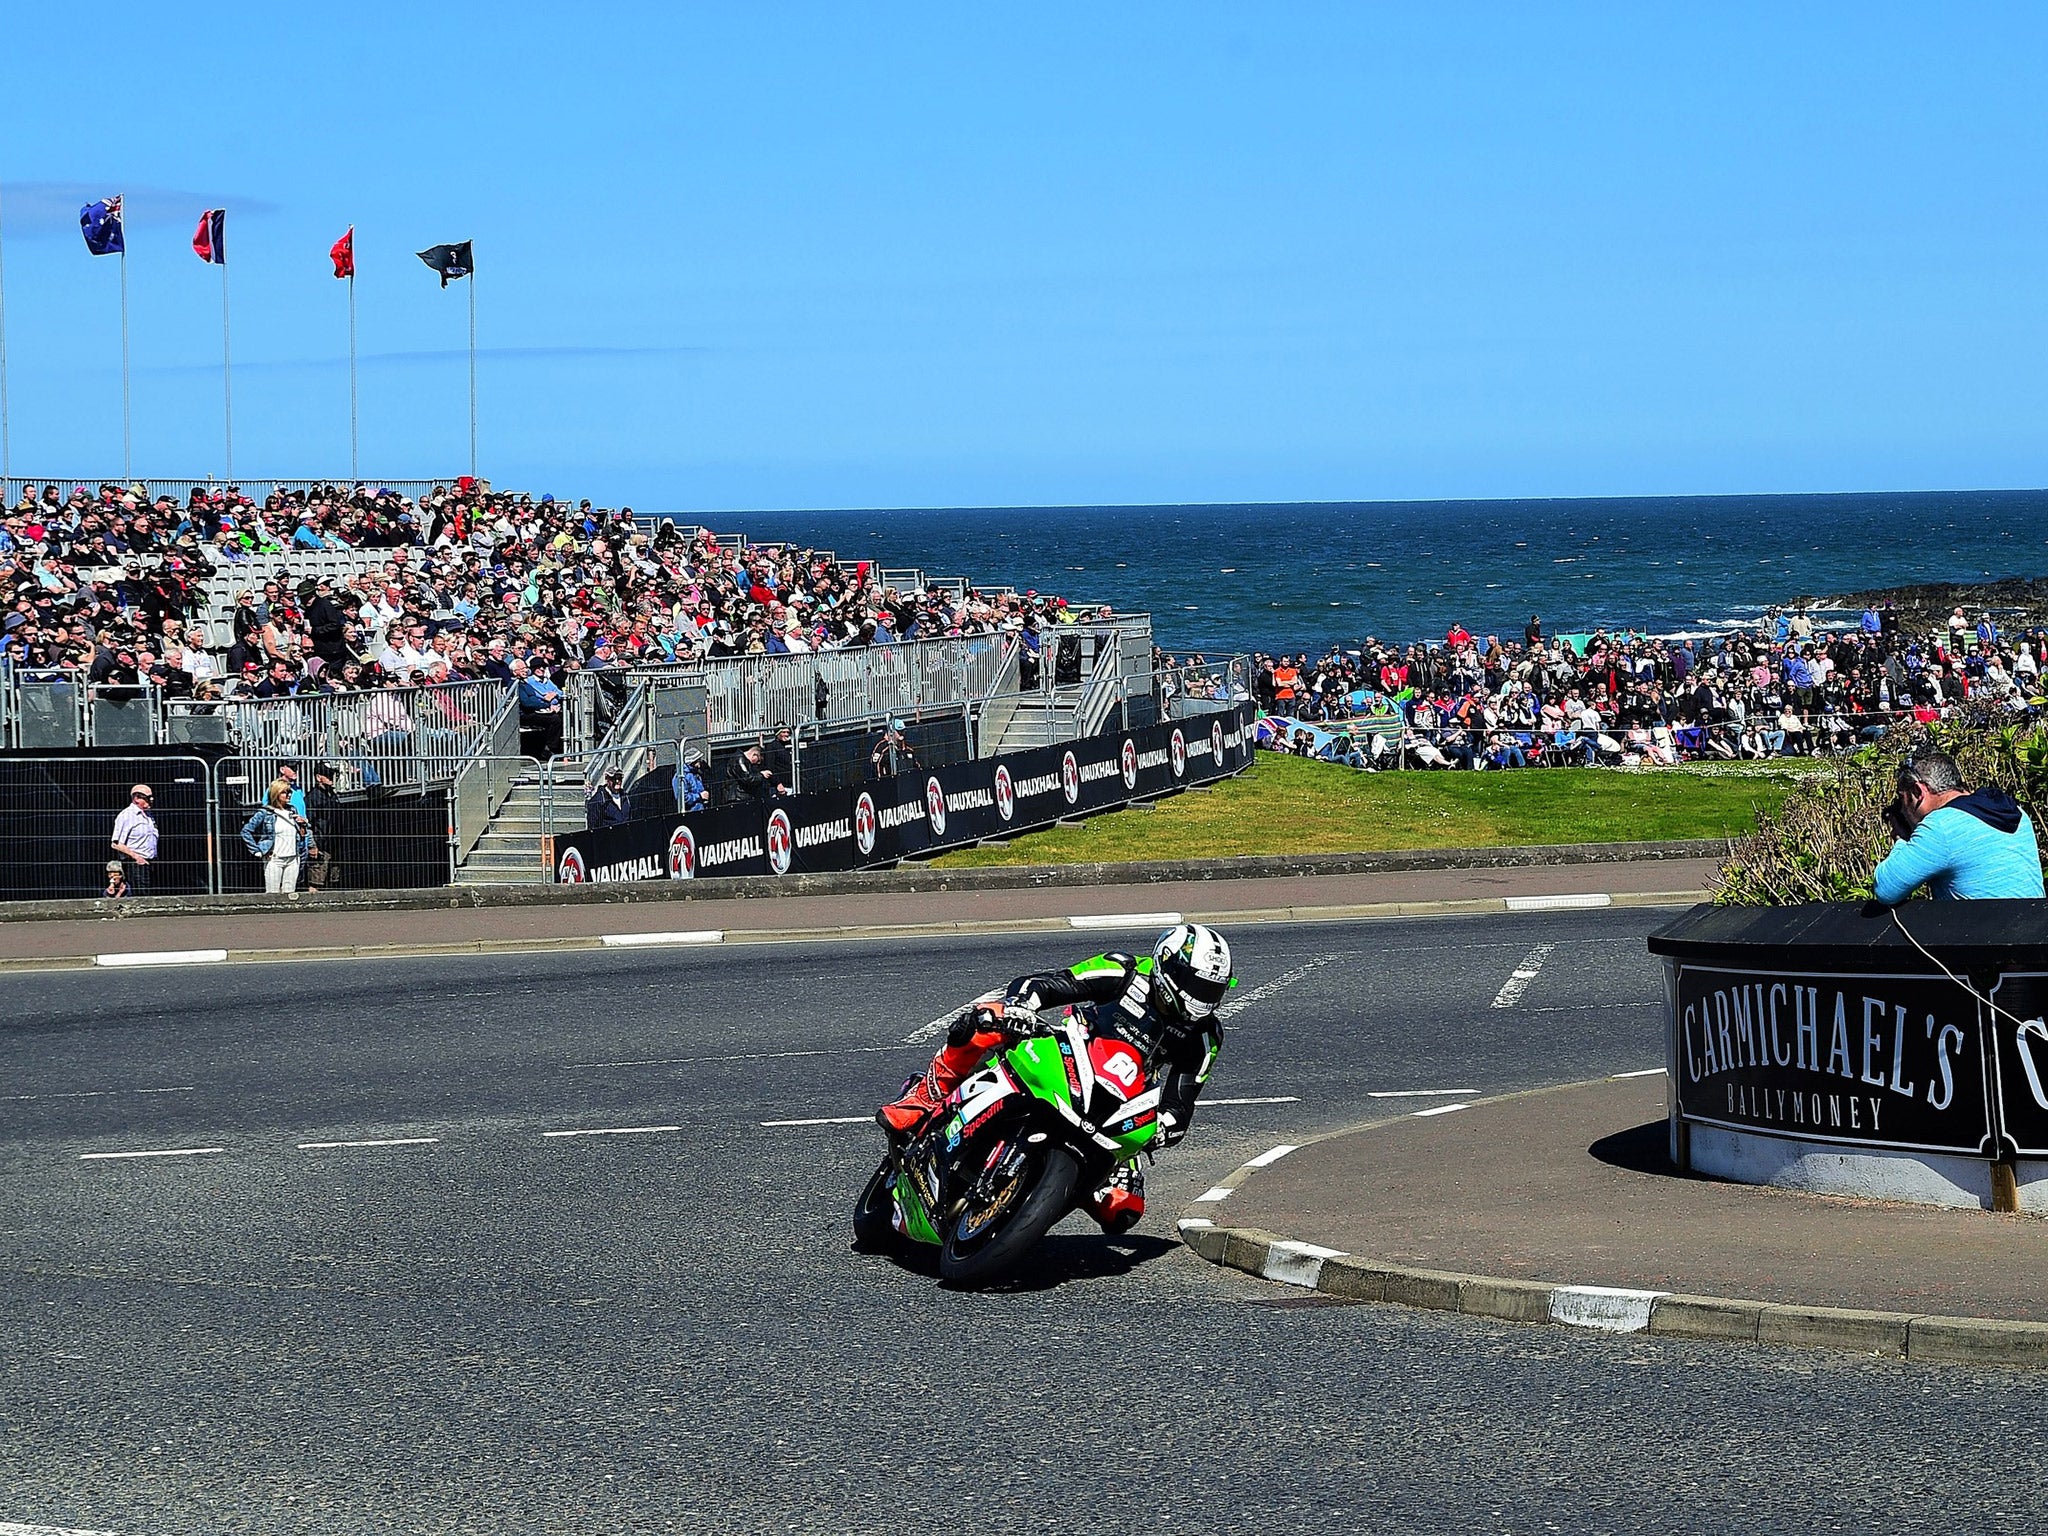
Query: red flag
[[210, 240], [344, 254]]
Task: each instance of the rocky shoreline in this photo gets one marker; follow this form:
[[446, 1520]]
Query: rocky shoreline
[[1928, 604]]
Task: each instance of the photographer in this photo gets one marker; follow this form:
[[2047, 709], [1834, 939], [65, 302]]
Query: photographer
[[1969, 846]]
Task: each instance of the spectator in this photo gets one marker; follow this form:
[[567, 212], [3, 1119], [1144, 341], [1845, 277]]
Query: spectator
[[319, 807], [749, 778], [891, 753], [606, 805], [117, 881], [135, 837], [276, 834], [691, 792]]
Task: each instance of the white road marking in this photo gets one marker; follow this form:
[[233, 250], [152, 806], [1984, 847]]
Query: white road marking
[[827, 1120], [659, 940], [1441, 1109], [97, 1093], [1286, 1098], [1268, 1159], [1607, 1308], [617, 1130], [1555, 903], [1293, 1263], [1646, 1072], [101, 1157], [1422, 1093], [684, 1061], [1518, 983], [1187, 1222], [1219, 1193], [163, 957], [944, 1021], [1265, 989], [1125, 920], [389, 1141], [15, 1528]]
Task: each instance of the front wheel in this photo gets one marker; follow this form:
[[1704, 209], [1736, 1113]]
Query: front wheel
[[874, 1227], [1004, 1223]]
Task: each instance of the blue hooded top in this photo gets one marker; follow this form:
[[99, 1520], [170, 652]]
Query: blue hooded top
[[1976, 848]]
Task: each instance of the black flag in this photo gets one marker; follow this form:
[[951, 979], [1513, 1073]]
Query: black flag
[[451, 261]]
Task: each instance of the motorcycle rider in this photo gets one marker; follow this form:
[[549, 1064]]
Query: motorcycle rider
[[1163, 1003]]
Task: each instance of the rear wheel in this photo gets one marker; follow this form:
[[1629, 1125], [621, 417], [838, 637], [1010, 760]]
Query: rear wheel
[[874, 1229], [1004, 1222]]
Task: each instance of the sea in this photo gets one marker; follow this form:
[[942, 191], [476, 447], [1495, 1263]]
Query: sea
[[1301, 576]]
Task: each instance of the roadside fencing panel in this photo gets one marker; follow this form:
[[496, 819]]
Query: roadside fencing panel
[[57, 816], [374, 839], [117, 715]]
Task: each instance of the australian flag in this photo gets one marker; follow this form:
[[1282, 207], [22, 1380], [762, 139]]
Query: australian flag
[[210, 241], [451, 261], [101, 223]]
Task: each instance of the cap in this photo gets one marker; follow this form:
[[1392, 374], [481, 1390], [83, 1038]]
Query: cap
[[693, 755], [115, 866]]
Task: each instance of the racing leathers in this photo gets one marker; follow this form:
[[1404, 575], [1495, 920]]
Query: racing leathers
[[1117, 992]]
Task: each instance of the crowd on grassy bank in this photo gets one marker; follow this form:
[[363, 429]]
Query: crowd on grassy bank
[[1792, 687]]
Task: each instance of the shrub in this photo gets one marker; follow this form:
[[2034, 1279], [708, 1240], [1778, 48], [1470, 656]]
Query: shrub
[[1829, 834]]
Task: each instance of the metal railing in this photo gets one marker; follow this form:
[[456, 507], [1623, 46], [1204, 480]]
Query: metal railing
[[484, 780], [183, 487]]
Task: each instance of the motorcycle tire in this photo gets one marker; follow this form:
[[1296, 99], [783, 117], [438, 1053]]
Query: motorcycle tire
[[874, 1229], [988, 1255]]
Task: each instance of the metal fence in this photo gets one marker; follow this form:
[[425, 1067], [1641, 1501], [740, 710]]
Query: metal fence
[[182, 488], [57, 816], [371, 839]]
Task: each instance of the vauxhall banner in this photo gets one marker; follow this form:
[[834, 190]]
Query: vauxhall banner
[[921, 812]]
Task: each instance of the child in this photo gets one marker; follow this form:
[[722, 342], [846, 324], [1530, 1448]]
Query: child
[[117, 881]]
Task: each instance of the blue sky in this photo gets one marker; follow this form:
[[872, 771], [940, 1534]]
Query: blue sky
[[838, 255]]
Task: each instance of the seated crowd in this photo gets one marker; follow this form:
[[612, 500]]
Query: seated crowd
[[462, 584], [1792, 687]]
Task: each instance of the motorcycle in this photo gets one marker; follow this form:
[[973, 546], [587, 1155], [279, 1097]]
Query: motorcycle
[[1054, 1115]]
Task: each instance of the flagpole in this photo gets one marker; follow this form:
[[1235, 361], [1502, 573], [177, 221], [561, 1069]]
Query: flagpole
[[227, 391], [6, 440], [127, 431], [472, 368], [355, 470]]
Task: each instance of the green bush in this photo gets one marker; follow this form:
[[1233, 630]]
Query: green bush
[[1823, 842]]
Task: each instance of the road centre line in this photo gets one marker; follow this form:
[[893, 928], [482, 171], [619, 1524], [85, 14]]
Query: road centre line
[[686, 1061], [1645, 1072], [661, 940], [103, 1157], [617, 1130], [389, 1141], [1285, 1098], [1531, 967], [16, 1528], [827, 1120], [97, 1093], [163, 957], [1422, 1093], [1440, 1109]]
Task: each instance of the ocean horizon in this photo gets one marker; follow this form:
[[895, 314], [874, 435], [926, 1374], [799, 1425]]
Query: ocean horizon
[[1308, 575]]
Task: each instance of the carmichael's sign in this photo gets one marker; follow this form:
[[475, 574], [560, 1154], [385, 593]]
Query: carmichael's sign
[[1874, 1060]]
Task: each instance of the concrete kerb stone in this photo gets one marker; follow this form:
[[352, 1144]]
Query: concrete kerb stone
[[1353, 1277], [911, 880]]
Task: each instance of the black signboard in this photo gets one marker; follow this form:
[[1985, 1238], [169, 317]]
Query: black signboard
[[880, 822], [1893, 1061], [2018, 1026]]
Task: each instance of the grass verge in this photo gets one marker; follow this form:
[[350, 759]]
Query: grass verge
[[1295, 805]]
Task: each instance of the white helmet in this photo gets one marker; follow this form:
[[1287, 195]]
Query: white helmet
[[1191, 970]]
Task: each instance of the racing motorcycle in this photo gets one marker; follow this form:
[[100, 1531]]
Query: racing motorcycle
[[1055, 1114]]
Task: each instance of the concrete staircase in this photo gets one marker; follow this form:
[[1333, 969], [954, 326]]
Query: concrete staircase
[[510, 852]]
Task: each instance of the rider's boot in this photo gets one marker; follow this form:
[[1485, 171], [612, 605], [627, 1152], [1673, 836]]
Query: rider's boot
[[1120, 1202], [925, 1094]]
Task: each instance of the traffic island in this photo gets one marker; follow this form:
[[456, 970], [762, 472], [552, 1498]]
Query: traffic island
[[1563, 1205]]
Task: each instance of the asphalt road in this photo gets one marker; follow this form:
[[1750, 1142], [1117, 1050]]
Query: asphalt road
[[504, 1330]]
